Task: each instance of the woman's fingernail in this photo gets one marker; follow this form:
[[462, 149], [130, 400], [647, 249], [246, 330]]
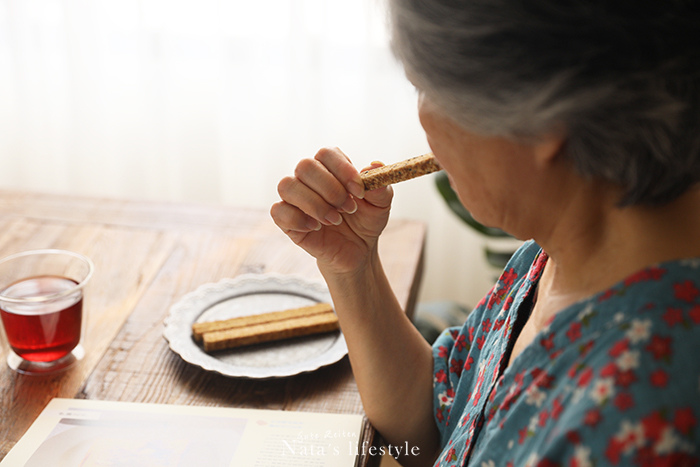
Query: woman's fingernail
[[356, 189], [313, 224], [334, 218], [349, 206]]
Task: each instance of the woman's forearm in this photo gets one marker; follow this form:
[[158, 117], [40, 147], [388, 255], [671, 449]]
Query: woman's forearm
[[391, 361]]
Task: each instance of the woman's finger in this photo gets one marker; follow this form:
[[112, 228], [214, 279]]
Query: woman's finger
[[319, 179], [373, 165], [342, 169], [290, 218], [296, 193]]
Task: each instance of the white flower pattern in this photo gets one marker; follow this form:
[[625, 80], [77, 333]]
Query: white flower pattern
[[602, 390], [639, 331]]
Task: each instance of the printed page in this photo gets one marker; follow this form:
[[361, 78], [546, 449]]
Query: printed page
[[72, 432]]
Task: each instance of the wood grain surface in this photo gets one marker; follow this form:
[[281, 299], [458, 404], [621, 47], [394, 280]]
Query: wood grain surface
[[147, 255]]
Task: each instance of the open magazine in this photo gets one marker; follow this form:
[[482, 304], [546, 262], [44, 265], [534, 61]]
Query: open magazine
[[74, 432]]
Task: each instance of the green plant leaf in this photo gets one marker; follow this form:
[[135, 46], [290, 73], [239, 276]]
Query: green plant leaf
[[497, 259]]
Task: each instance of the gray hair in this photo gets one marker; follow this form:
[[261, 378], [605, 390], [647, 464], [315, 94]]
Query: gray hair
[[620, 76]]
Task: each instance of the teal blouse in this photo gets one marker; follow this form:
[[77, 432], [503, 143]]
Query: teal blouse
[[612, 380]]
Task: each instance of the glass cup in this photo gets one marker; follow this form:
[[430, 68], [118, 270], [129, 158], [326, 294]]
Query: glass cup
[[41, 305]]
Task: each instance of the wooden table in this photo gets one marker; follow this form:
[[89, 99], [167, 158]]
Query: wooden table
[[147, 255]]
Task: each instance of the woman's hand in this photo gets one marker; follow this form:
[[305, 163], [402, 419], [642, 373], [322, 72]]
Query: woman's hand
[[326, 211]]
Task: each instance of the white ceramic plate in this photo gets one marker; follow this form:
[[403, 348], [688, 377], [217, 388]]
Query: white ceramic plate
[[251, 294]]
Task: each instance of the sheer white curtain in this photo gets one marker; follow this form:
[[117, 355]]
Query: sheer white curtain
[[213, 101]]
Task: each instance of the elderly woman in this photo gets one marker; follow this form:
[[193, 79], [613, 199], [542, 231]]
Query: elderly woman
[[575, 124]]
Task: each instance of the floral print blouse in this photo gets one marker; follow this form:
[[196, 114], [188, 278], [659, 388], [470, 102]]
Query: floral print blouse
[[612, 380]]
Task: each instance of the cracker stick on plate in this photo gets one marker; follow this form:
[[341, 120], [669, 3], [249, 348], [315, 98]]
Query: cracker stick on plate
[[198, 329], [270, 331], [399, 171]]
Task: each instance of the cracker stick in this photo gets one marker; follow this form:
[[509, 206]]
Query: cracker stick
[[210, 326], [399, 171], [266, 332]]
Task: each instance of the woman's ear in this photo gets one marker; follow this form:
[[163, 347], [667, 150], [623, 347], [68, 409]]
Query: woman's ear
[[548, 147]]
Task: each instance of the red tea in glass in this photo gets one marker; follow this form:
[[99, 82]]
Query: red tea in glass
[[46, 331], [41, 306]]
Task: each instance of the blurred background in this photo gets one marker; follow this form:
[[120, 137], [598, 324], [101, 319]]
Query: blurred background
[[215, 101]]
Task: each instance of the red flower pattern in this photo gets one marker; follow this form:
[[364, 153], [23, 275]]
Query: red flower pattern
[[625, 378], [673, 316], [468, 363], [695, 314], [684, 420], [617, 349], [585, 377], [686, 291], [461, 342], [592, 417], [547, 342], [659, 378], [574, 332], [623, 401], [456, 366], [660, 347], [645, 275]]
